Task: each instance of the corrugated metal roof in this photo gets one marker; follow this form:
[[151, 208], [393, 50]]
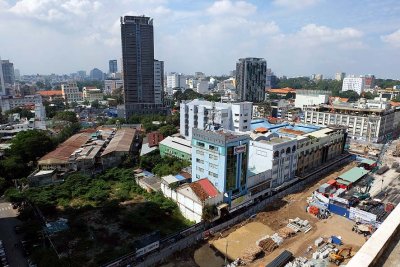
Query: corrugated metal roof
[[353, 175], [62, 153], [178, 144], [121, 142]]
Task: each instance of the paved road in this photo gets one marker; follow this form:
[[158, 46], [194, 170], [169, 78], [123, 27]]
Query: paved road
[[7, 234]]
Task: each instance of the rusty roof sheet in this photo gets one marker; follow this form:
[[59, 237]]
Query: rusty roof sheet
[[122, 141], [204, 189], [62, 153]]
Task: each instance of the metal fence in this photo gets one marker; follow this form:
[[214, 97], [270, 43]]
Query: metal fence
[[162, 254]]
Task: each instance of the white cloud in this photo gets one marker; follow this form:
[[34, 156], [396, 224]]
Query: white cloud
[[312, 34], [53, 10], [392, 39], [234, 8], [296, 4]]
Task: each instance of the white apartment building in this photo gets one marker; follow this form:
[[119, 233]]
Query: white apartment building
[[175, 80], [311, 97], [353, 83], [91, 94], [111, 85], [275, 153], [203, 115], [70, 92], [202, 87], [9, 102], [370, 120]]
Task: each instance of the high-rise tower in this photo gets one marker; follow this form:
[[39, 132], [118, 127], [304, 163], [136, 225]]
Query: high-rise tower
[[251, 79], [138, 65], [112, 66]]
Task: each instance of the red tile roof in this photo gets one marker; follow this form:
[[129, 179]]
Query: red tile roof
[[395, 104], [204, 189], [154, 138], [285, 90], [50, 93]]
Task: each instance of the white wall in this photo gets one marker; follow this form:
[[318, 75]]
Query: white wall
[[308, 100]]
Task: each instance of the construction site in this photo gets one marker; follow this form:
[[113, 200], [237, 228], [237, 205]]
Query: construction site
[[325, 224]]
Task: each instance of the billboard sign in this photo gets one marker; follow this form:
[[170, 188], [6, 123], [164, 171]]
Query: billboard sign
[[239, 149]]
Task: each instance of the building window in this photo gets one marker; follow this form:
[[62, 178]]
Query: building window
[[213, 148], [200, 144], [214, 157], [199, 152], [213, 174], [214, 166], [199, 169], [200, 161]]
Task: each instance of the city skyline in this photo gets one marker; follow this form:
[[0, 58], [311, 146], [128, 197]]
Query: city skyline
[[297, 38]]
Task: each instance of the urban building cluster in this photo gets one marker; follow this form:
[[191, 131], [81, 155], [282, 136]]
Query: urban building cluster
[[90, 152]]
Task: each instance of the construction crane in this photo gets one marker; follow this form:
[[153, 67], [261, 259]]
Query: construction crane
[[338, 258]]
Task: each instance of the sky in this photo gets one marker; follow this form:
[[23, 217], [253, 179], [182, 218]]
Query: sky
[[296, 37]]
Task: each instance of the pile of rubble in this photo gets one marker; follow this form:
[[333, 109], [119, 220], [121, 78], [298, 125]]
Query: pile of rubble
[[286, 232], [300, 262], [267, 244], [251, 254]]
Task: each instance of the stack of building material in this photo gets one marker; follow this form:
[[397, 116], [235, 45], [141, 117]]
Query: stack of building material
[[278, 240], [318, 242], [286, 232], [251, 254], [267, 244], [313, 210]]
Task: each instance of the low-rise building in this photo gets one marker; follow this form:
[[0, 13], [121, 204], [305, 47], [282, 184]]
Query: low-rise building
[[192, 199], [275, 153], [147, 180], [177, 147], [123, 144], [368, 120], [8, 102], [319, 147], [59, 159], [51, 95], [311, 97], [92, 94]]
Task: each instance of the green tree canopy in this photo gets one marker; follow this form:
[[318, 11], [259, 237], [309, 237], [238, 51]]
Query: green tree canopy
[[167, 130], [31, 144], [66, 116]]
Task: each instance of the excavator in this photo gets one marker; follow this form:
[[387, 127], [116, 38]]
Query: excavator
[[339, 257]]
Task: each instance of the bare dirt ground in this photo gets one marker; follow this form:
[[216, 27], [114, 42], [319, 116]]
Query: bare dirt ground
[[277, 216], [298, 244], [251, 232]]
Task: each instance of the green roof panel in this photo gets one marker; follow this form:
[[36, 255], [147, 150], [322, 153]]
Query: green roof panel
[[353, 175]]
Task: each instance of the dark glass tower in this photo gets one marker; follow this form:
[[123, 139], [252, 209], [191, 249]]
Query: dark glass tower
[[112, 66], [251, 74], [138, 64]]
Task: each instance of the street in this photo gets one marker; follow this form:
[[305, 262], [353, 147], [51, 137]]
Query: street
[[7, 222]]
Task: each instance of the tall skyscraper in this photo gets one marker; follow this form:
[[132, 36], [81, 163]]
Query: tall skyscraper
[[251, 79], [158, 81], [138, 65], [2, 86], [112, 66], [8, 71]]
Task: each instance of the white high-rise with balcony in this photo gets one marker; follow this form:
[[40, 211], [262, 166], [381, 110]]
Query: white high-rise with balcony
[[203, 115], [353, 83]]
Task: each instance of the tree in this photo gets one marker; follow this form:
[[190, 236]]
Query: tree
[[13, 167], [66, 116], [31, 144], [3, 185], [95, 104], [350, 94], [167, 130]]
